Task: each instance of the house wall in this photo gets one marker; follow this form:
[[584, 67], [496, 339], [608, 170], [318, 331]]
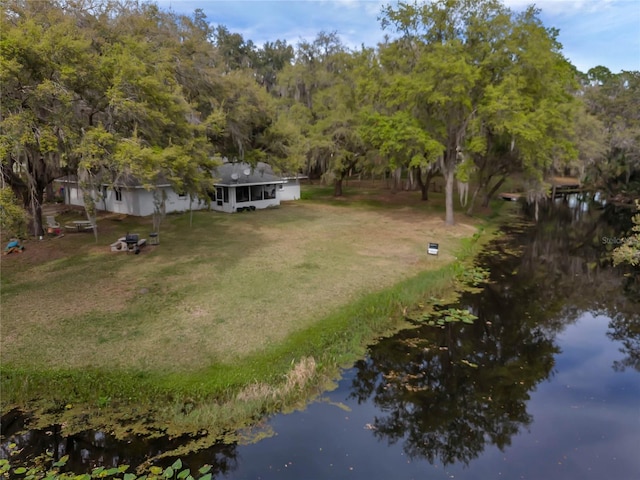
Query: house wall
[[128, 204], [136, 201], [139, 202], [73, 196], [290, 190], [274, 202], [176, 203], [227, 207]]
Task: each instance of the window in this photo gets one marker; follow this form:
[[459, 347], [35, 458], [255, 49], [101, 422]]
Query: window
[[226, 194], [269, 192], [104, 192], [242, 194], [118, 193], [256, 192], [182, 195]]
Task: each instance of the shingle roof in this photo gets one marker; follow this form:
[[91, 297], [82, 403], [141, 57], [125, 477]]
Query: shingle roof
[[241, 173], [229, 173], [124, 181]]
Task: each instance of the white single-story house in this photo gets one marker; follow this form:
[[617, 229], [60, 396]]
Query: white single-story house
[[243, 187], [128, 196], [239, 187]]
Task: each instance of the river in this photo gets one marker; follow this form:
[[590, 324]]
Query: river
[[545, 383]]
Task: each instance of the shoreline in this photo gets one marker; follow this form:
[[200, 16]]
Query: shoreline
[[304, 366]]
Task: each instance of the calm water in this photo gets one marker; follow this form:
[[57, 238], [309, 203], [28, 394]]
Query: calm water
[[545, 384]]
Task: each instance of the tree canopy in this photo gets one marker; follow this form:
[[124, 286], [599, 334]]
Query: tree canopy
[[466, 89]]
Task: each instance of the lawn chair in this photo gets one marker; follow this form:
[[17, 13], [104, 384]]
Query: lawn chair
[[53, 226], [51, 222]]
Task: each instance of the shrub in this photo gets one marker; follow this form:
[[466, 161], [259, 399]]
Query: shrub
[[13, 218]]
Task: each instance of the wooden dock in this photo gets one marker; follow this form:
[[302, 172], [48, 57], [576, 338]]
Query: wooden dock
[[564, 185], [559, 186]]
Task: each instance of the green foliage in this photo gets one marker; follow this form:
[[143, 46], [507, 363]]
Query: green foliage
[[450, 315], [45, 467], [13, 218], [130, 90], [629, 250], [489, 85], [612, 102], [472, 276], [400, 139]]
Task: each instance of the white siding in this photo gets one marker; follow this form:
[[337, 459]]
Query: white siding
[[176, 203], [135, 201], [289, 190], [139, 202]]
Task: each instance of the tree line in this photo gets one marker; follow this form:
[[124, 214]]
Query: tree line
[[465, 89]]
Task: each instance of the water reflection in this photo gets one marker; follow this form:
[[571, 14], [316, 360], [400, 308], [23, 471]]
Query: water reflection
[[567, 250], [447, 393]]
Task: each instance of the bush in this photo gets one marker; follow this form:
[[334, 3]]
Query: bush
[[13, 218]]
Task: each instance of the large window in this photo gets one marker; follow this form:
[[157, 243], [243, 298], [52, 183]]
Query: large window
[[256, 192], [269, 192], [242, 194]]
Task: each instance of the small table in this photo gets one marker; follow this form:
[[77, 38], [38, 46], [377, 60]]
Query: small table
[[82, 225]]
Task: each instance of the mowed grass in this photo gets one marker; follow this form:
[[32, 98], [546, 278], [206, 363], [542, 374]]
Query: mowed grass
[[227, 292]]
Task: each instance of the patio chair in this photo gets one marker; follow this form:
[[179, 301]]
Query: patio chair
[[53, 226], [51, 222]]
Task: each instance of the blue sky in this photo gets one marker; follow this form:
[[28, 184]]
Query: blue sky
[[592, 32]]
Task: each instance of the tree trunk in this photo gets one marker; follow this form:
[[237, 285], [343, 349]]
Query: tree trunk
[[449, 173], [424, 185], [337, 190], [36, 210], [424, 192], [397, 180], [409, 184], [473, 200], [494, 189], [50, 195], [89, 191]]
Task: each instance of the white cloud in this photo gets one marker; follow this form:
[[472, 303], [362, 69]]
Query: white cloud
[[563, 7]]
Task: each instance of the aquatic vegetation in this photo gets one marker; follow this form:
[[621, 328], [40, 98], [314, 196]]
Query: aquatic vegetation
[[473, 276], [450, 315], [50, 469]]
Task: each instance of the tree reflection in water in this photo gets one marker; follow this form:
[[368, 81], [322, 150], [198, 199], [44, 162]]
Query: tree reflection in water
[[448, 392]]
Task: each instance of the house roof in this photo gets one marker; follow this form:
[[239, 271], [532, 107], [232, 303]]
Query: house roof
[[228, 174], [124, 181], [242, 173]]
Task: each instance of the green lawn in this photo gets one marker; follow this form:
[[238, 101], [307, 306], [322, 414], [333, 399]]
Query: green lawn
[[232, 306]]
